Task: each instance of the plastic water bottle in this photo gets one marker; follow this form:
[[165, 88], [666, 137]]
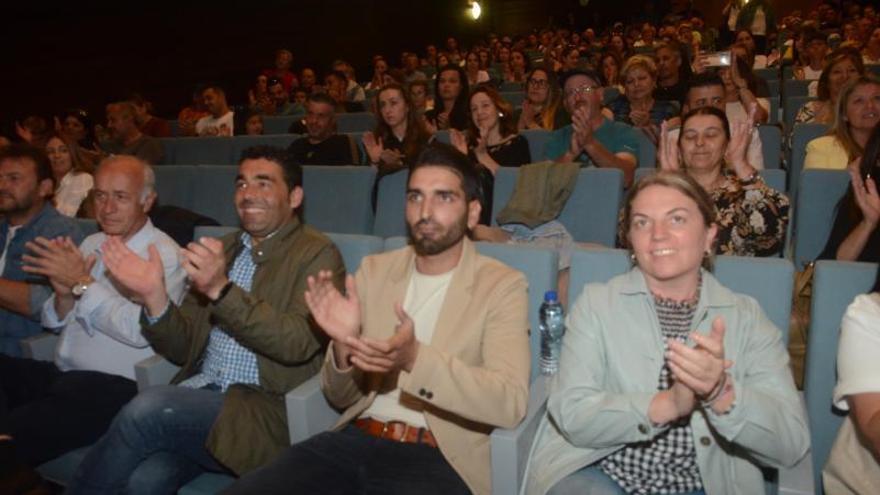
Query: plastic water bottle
[[552, 322]]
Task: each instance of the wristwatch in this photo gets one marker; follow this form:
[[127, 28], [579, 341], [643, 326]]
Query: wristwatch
[[81, 286]]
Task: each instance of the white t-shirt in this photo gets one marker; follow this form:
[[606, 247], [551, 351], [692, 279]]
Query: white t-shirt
[[424, 298], [858, 366], [811, 74], [219, 126], [759, 22], [9, 235]]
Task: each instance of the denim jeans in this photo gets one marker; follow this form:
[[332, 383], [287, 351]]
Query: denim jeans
[[350, 461], [594, 481], [155, 444]]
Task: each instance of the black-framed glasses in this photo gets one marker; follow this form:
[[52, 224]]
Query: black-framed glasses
[[584, 90], [538, 83]]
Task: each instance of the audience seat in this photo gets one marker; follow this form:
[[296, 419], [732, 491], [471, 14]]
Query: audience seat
[[802, 135], [771, 145], [175, 184], [174, 125], [773, 86], [390, 219], [773, 117], [279, 124], [197, 150], [241, 143], [790, 107], [214, 191], [768, 74], [835, 285], [795, 87], [590, 214], [515, 98], [337, 198], [817, 199], [537, 139], [355, 122], [647, 156]]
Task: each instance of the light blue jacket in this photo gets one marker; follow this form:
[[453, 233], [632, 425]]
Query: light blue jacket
[[611, 358]]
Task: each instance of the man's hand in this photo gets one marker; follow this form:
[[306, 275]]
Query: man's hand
[[59, 260], [206, 266], [384, 356], [339, 315], [143, 278]]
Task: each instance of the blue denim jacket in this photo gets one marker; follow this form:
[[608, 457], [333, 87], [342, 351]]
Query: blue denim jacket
[[47, 223]]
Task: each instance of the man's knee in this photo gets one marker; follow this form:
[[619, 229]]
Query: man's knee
[[148, 404]]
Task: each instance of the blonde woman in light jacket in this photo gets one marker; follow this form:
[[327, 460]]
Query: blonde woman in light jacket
[[718, 389]]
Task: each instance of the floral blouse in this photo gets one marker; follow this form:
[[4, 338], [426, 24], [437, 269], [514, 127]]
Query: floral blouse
[[752, 217]]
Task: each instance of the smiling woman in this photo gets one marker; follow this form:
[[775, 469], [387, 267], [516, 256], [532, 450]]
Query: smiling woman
[[712, 367]]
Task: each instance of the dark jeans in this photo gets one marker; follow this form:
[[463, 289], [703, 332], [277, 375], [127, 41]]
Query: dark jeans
[[350, 461], [49, 412], [155, 444]]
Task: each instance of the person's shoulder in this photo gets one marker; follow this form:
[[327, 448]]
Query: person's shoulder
[[822, 142], [865, 305]]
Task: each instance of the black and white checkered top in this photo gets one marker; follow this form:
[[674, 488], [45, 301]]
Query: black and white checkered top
[[667, 464]]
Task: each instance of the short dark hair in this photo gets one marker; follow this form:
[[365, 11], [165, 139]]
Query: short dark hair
[[321, 98], [708, 78], [438, 154], [338, 74], [293, 174], [20, 151]]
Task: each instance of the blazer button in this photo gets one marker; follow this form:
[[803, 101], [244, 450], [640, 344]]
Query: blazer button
[[643, 429], [705, 441], [429, 395], [422, 392]]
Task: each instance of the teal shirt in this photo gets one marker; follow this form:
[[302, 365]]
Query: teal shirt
[[617, 137]]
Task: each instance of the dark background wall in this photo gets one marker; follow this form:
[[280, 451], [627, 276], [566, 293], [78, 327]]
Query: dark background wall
[[84, 54]]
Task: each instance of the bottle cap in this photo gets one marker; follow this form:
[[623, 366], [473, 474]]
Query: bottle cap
[[550, 296]]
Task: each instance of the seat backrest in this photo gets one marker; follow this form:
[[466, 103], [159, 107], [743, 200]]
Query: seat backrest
[[355, 122], [354, 247], [202, 151], [771, 146], [790, 107], [88, 226], [647, 151], [795, 87], [773, 86], [337, 198], [279, 124], [819, 193], [775, 178], [241, 143], [835, 285], [174, 125], [773, 117], [801, 136], [768, 74], [515, 98], [175, 184], [537, 138], [390, 219], [590, 214], [539, 265], [768, 280], [214, 193]]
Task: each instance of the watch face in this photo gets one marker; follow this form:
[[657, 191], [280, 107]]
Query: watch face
[[79, 289]]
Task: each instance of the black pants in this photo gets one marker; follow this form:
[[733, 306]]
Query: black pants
[[351, 462], [49, 412]]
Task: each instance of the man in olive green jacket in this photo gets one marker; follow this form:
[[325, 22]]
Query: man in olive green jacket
[[243, 338]]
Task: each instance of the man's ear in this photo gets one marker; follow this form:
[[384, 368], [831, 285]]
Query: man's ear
[[474, 210], [295, 197], [150, 201]]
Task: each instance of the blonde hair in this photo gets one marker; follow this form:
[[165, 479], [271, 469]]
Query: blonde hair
[[840, 127]]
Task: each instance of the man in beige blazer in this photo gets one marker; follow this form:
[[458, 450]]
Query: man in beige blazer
[[429, 353]]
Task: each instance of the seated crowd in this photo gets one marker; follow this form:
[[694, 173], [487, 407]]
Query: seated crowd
[[425, 349]]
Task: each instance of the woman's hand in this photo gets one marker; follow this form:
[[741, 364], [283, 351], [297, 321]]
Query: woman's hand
[[740, 136], [458, 139], [374, 147], [866, 196], [640, 118], [700, 368], [670, 159]]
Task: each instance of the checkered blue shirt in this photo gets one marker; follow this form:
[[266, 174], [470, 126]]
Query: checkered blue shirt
[[225, 361]]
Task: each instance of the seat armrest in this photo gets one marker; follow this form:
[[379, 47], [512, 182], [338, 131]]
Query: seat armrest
[[40, 347], [308, 412], [510, 448], [154, 370]]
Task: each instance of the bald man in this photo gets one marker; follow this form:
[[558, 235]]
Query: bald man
[[48, 408]]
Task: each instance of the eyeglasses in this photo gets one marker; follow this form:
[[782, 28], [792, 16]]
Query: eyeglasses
[[584, 90], [538, 83]]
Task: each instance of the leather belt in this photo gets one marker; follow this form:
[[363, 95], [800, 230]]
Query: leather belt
[[397, 431]]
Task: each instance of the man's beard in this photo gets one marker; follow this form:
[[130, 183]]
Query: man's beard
[[15, 206], [428, 247]]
